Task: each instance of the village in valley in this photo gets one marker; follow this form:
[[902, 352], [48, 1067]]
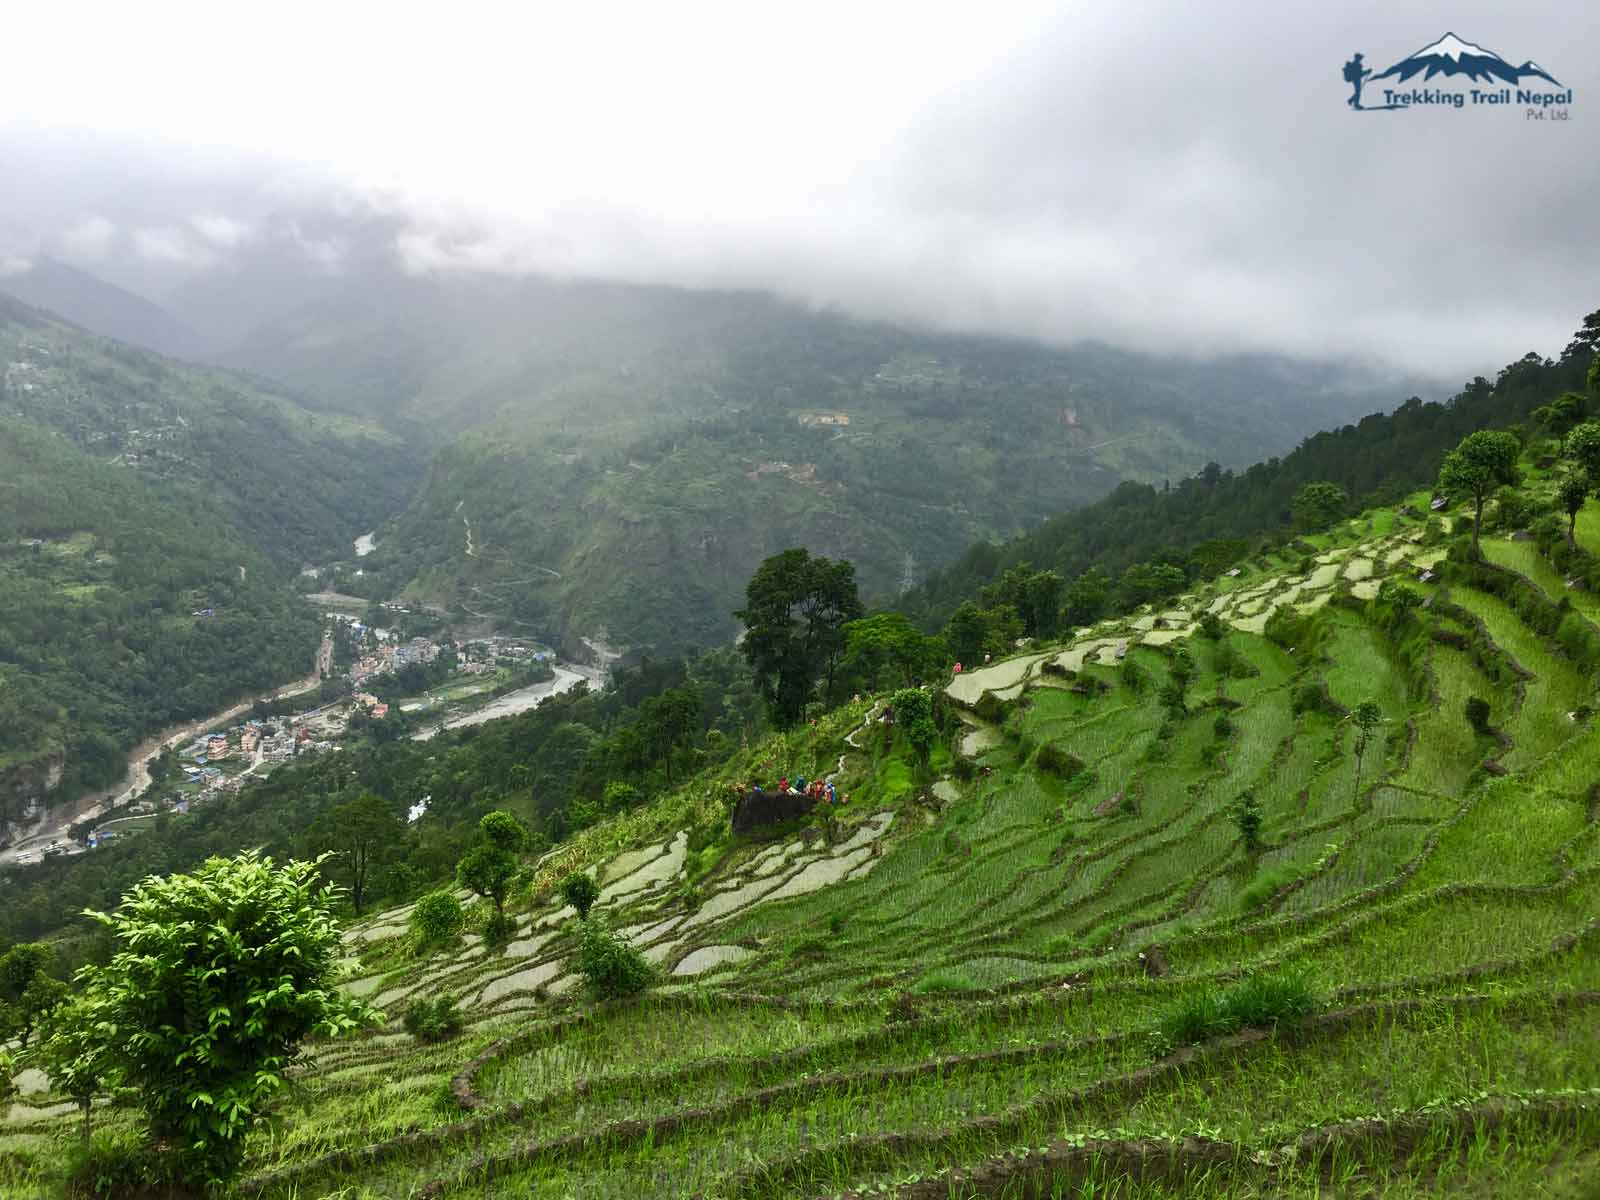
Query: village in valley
[[368, 673]]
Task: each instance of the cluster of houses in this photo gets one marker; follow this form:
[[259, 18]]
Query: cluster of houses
[[484, 656], [390, 655]]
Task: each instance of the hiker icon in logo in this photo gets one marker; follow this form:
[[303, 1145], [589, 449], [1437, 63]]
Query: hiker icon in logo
[[1355, 75]]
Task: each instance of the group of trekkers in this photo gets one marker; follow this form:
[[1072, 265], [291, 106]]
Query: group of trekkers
[[819, 790]]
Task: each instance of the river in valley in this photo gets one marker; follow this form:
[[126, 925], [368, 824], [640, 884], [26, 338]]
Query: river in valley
[[512, 703]]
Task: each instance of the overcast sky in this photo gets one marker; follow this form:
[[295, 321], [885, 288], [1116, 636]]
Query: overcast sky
[[1155, 175]]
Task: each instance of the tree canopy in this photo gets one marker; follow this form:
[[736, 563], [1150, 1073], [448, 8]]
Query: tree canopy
[[796, 609], [1485, 459]]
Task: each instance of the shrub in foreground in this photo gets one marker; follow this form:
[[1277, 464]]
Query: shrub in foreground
[[610, 965], [216, 979]]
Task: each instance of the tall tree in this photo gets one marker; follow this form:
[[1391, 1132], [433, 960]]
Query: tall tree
[[358, 835], [796, 608], [890, 640], [490, 866], [1086, 598], [1582, 446], [1572, 490], [1484, 460]]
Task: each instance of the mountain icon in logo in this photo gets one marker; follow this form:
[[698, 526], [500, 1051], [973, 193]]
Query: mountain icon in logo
[[1452, 56]]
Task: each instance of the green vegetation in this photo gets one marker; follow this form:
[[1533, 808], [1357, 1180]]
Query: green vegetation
[[129, 607], [1161, 907], [612, 968], [216, 980], [435, 1020], [580, 891], [1257, 1000], [436, 921]]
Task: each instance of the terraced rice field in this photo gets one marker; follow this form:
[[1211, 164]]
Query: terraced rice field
[[971, 987]]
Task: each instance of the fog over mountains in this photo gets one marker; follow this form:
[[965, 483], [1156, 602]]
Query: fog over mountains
[[926, 169]]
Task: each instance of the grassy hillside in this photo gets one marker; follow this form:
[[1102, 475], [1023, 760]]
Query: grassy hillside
[[1055, 964], [299, 484]]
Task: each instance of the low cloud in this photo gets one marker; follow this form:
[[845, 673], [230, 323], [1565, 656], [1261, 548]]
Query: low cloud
[[172, 246], [1159, 177], [221, 231], [88, 242]]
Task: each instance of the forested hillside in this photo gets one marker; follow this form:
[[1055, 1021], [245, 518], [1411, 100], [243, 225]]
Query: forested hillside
[[154, 516], [298, 483], [628, 455], [106, 573]]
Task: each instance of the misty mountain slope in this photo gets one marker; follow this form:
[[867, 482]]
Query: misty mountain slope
[[630, 470], [301, 484], [101, 307]]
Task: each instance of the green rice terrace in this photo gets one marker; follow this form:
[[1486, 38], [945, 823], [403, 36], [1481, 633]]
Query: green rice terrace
[[1171, 910]]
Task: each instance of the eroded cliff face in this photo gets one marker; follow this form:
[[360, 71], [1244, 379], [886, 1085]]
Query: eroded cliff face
[[25, 790]]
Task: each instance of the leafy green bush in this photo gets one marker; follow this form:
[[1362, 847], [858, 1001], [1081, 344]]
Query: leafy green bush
[[611, 966], [498, 929], [436, 919], [1301, 632], [581, 891], [435, 1020], [116, 1165], [217, 978], [1579, 639]]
